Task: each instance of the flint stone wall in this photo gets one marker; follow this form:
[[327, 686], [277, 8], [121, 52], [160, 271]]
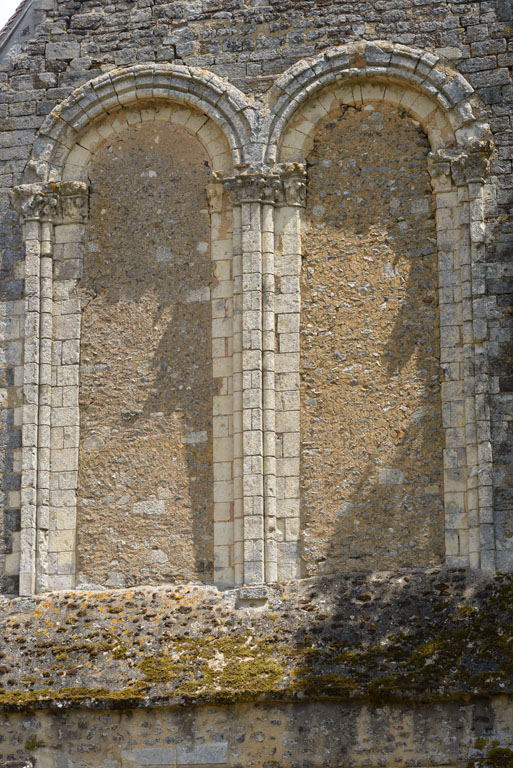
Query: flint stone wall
[[370, 357], [146, 387], [392, 669], [318, 734]]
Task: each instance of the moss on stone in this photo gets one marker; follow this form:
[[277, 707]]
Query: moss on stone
[[158, 669], [499, 757], [436, 651], [383, 688], [228, 670], [327, 685], [32, 743], [30, 700]]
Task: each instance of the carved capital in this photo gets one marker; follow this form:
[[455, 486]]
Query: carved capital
[[283, 184], [215, 193], [253, 187], [472, 164], [439, 167], [293, 184], [462, 166], [36, 202], [74, 202], [62, 202]]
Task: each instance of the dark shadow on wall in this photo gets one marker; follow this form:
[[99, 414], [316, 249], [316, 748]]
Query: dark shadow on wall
[[371, 410], [423, 636], [503, 9], [146, 365], [11, 292]]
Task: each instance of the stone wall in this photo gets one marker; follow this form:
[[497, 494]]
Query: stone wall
[[392, 670], [251, 44], [371, 407], [322, 734], [145, 485]]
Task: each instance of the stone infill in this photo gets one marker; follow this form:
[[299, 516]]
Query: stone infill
[[382, 636]]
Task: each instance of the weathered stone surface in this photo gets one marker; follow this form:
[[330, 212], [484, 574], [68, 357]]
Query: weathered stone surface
[[146, 386], [365, 651], [371, 407], [414, 635], [320, 733]]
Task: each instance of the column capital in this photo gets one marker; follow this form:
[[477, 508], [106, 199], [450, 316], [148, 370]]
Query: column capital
[[280, 184], [36, 202], [56, 202], [215, 193], [292, 184], [253, 186], [463, 165], [74, 202]]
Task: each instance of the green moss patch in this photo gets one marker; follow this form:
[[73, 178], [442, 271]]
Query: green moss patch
[[223, 670], [499, 757], [29, 700], [420, 637], [158, 669]]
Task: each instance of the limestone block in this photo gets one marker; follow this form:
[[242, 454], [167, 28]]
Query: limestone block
[[222, 512], [12, 564], [61, 540], [223, 491], [253, 527], [253, 571], [213, 753], [65, 50], [65, 460], [288, 342]]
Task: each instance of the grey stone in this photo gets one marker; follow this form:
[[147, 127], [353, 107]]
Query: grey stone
[[150, 507], [150, 756], [64, 50], [203, 754]]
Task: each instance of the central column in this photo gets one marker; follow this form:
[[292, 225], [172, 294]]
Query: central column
[[255, 196], [253, 193]]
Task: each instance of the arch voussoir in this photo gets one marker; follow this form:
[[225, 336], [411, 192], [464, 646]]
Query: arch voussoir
[[142, 83], [372, 62]]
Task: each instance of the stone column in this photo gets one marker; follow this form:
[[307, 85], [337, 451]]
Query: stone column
[[288, 221], [248, 191], [37, 205], [254, 195], [268, 393], [41, 207], [224, 408], [70, 226], [457, 177], [469, 170]]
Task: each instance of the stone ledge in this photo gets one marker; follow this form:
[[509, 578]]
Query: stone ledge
[[381, 637]]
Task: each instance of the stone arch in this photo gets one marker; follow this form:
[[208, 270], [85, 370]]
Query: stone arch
[[194, 122], [441, 99], [53, 202], [146, 84], [445, 105], [265, 152]]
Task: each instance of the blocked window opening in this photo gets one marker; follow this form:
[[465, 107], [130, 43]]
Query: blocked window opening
[[144, 512], [371, 423]]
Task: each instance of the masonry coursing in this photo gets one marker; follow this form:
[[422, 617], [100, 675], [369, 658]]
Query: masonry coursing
[[361, 640], [250, 43]]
